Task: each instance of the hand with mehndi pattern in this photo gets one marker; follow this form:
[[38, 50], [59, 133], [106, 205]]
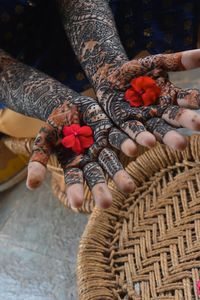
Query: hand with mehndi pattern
[[173, 106], [89, 166], [91, 29], [30, 92]]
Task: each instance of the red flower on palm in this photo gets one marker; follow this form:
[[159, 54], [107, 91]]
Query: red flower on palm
[[143, 92], [77, 138]]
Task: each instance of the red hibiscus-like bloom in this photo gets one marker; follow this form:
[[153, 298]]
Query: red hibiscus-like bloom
[[143, 91], [77, 138]]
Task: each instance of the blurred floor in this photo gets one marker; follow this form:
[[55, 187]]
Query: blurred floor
[[38, 245], [39, 238]]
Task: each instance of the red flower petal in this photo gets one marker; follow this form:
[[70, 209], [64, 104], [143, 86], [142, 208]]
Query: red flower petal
[[75, 128], [77, 138], [85, 131], [77, 146], [130, 94], [142, 82], [149, 98], [133, 98], [67, 130], [157, 90], [148, 82], [86, 142], [137, 85], [68, 141]]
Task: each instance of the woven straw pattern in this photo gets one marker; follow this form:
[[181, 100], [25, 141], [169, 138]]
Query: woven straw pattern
[[147, 246]]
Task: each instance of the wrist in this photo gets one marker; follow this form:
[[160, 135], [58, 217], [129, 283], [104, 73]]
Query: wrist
[[101, 80], [31, 92]]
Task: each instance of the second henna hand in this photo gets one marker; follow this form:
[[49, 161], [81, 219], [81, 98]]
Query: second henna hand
[[94, 38], [93, 35], [31, 92]]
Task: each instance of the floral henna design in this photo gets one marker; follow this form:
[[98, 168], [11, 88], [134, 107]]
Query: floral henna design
[[108, 160], [133, 128], [35, 94], [93, 174], [89, 26], [50, 135], [73, 176], [91, 30], [189, 98], [117, 138], [42, 145], [167, 62], [159, 127], [173, 113]]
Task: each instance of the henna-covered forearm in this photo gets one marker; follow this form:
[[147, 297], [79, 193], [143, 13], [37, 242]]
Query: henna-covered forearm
[[31, 92], [93, 35], [91, 29]]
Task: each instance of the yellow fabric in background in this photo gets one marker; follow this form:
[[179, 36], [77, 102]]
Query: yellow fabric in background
[[17, 125], [10, 163]]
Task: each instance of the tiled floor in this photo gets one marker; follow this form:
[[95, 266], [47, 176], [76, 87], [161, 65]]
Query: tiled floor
[[38, 245], [39, 238]]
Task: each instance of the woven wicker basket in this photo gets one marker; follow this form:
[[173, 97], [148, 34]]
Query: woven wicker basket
[[147, 245]]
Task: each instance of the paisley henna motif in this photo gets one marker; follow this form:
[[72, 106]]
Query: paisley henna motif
[[93, 35], [28, 91]]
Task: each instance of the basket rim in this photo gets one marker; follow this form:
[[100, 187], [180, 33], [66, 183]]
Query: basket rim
[[141, 169]]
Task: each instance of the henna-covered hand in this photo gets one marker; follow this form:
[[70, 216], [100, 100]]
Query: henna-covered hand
[[171, 109], [99, 158], [93, 35], [33, 93]]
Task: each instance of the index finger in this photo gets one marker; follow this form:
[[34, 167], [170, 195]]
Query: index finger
[[179, 61]]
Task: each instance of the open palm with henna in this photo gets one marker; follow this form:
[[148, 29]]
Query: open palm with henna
[[93, 35], [89, 133], [79, 163], [172, 108]]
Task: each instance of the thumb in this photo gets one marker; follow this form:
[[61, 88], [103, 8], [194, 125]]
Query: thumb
[[36, 174]]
